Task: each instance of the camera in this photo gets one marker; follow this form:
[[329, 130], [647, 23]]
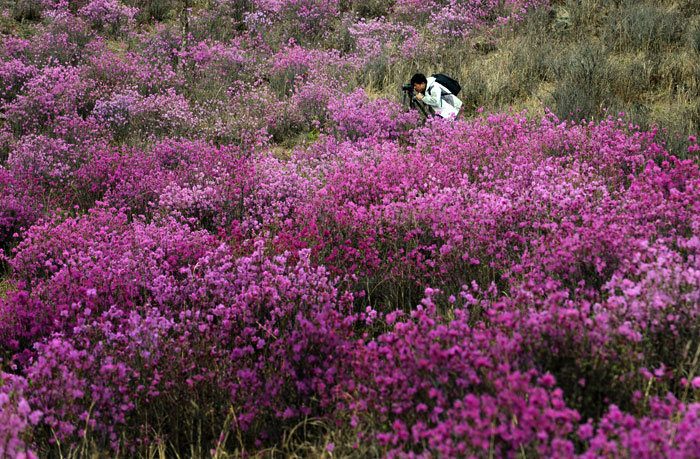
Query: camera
[[411, 103]]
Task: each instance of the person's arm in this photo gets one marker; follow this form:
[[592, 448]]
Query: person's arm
[[434, 96]]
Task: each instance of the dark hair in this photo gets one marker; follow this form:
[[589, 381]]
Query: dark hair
[[418, 78]]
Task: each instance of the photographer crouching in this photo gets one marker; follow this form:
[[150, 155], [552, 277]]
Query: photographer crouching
[[438, 92]]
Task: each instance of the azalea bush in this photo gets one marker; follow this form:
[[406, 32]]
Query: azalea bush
[[222, 234], [18, 418], [19, 209]]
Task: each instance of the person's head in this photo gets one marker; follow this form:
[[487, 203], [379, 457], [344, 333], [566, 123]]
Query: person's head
[[419, 81]]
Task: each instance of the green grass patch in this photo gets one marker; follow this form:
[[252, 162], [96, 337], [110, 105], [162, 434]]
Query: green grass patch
[[5, 286]]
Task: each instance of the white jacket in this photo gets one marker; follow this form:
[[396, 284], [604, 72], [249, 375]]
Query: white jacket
[[444, 103]]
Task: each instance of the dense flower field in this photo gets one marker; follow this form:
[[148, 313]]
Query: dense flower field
[[213, 232]]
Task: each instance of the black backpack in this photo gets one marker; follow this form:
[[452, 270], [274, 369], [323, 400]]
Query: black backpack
[[450, 83]]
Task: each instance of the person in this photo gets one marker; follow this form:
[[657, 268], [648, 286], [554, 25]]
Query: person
[[435, 95]]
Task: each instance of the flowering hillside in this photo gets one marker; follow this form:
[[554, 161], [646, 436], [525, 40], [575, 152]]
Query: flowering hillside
[[223, 235]]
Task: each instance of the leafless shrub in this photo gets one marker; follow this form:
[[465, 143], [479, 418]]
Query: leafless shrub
[[631, 76], [582, 83], [693, 37], [646, 27], [474, 90]]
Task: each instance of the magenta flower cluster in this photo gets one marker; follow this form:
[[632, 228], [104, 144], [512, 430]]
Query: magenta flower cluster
[[211, 233], [18, 419]]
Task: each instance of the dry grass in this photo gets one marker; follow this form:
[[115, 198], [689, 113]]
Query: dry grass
[[5, 286]]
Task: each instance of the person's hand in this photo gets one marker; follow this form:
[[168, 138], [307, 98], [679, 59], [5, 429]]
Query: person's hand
[[419, 96]]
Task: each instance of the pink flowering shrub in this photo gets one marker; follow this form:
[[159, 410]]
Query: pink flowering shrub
[[160, 45], [13, 74], [214, 237], [454, 390], [53, 161], [211, 183], [460, 206], [130, 114], [254, 193], [278, 194], [354, 116], [401, 222], [213, 66], [267, 352], [305, 21], [61, 39], [367, 202], [378, 44], [51, 252], [454, 20], [237, 119], [121, 177], [671, 430], [293, 64], [48, 100], [108, 14], [17, 418], [126, 71], [18, 209]]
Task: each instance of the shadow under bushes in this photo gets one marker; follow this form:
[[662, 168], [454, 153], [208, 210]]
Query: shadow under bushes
[[26, 10], [622, 377]]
